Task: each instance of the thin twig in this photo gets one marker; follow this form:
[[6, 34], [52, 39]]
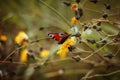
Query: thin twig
[[87, 74], [11, 54], [14, 51], [101, 75], [102, 39], [106, 38], [83, 50], [117, 52], [105, 20], [60, 15], [95, 51], [34, 41]]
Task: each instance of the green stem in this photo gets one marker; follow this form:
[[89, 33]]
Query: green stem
[[60, 15]]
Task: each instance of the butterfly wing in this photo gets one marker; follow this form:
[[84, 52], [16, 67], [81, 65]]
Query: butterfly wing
[[54, 36], [60, 37], [63, 36], [57, 37]]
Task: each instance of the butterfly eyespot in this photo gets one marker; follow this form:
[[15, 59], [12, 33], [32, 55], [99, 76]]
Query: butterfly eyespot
[[59, 37], [61, 34], [51, 35]]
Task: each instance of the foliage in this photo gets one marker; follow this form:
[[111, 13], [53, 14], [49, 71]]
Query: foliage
[[86, 43]]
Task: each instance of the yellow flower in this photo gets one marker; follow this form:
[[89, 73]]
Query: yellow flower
[[64, 47], [74, 20], [24, 55], [44, 53], [74, 6], [21, 38], [3, 38]]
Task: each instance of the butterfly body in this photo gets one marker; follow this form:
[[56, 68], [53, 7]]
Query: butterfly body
[[59, 37]]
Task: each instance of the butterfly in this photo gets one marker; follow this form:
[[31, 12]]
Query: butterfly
[[59, 37]]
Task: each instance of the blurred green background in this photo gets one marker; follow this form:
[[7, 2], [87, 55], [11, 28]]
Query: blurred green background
[[37, 20]]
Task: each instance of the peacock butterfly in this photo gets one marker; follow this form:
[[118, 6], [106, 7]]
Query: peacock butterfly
[[60, 37]]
